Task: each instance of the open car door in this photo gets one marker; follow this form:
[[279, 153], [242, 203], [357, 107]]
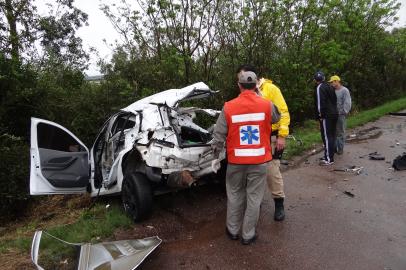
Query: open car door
[[59, 160]]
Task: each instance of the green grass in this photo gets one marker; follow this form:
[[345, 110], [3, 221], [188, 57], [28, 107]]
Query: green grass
[[93, 225], [375, 113], [309, 133]]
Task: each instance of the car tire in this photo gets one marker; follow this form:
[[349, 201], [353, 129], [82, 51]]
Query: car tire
[[136, 195]]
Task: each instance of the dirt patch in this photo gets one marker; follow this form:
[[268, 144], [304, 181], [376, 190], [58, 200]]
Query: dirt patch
[[179, 216], [16, 260], [49, 211]]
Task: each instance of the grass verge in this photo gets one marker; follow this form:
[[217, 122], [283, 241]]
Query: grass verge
[[308, 135], [93, 225]]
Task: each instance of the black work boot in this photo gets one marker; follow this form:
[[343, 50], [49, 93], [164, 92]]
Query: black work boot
[[279, 210]]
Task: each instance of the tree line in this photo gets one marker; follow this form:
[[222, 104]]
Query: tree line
[[172, 43]]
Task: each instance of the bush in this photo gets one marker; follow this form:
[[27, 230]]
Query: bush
[[14, 172]]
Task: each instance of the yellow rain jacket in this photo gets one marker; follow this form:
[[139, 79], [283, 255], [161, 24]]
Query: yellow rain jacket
[[272, 93]]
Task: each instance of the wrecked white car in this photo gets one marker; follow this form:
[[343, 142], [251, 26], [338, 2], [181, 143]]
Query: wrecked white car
[[144, 149], [50, 252]]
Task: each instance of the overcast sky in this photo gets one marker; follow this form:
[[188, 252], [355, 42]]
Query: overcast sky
[[100, 28]]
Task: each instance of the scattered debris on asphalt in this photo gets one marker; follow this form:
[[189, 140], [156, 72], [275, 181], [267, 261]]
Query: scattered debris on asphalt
[[349, 194], [354, 169], [376, 156], [373, 154]]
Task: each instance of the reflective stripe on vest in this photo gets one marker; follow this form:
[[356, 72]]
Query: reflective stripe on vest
[[248, 119], [249, 152]]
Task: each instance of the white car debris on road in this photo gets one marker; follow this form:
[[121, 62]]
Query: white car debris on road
[[146, 148], [54, 253]]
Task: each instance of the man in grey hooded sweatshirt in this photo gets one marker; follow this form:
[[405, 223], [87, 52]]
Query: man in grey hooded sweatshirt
[[344, 107]]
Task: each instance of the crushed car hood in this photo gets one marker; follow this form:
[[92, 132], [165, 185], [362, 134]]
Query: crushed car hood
[[116, 255], [171, 97]]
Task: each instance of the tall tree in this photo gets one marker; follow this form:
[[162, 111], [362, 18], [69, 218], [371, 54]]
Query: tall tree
[[22, 27], [186, 26], [14, 14]]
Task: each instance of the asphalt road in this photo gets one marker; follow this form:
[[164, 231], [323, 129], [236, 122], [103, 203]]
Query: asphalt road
[[334, 219]]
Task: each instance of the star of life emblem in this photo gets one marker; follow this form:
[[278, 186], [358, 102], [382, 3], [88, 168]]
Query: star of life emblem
[[249, 135]]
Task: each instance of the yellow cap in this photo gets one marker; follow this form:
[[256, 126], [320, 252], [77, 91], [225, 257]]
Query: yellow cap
[[334, 78]]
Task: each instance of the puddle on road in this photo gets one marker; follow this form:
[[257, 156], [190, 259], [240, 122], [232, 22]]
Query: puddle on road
[[366, 134]]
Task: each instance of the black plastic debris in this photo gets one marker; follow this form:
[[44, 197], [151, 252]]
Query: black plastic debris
[[399, 163], [376, 156], [397, 113], [349, 194]]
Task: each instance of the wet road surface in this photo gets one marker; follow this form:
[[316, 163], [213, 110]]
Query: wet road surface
[[334, 219]]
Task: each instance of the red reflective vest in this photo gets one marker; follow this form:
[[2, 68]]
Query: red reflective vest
[[249, 129]]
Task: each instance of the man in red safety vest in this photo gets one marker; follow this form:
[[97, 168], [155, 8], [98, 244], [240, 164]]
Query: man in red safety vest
[[245, 125]]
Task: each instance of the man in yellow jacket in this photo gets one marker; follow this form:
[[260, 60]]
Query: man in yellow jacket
[[280, 131]]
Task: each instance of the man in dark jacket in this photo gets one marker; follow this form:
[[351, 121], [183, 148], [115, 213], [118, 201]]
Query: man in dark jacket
[[327, 114]]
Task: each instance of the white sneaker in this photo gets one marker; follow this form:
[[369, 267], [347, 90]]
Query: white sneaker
[[326, 163]]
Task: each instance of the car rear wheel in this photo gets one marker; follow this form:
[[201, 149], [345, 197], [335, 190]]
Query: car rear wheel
[[136, 195]]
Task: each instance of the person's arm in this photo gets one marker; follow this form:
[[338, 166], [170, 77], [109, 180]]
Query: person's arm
[[276, 116], [219, 134], [347, 101], [316, 108], [322, 99], [283, 124], [279, 101]]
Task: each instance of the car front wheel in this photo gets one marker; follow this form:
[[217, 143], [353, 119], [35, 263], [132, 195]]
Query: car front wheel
[[136, 195]]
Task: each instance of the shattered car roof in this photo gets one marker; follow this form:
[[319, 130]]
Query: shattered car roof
[[171, 97]]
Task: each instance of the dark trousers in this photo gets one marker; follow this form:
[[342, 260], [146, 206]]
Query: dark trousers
[[328, 135]]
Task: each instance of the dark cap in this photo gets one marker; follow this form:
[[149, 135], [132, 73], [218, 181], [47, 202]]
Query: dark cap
[[319, 76], [247, 77]]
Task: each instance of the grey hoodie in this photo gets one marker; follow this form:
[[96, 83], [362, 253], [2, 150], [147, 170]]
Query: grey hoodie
[[343, 100]]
